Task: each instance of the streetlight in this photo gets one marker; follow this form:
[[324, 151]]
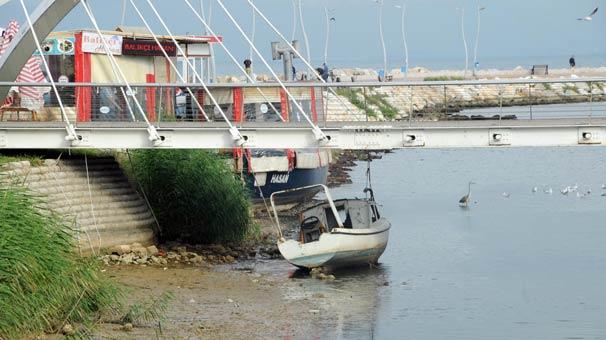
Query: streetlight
[[403, 7], [383, 72], [304, 31], [475, 53], [329, 19], [464, 41], [294, 20]]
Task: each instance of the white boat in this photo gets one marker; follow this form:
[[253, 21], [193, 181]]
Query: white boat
[[335, 234]]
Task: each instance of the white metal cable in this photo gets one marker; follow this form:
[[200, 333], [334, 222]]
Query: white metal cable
[[71, 131], [252, 34], [298, 54], [172, 64], [318, 133], [92, 205], [212, 33], [151, 130], [235, 133]]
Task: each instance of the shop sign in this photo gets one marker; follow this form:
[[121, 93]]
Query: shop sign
[[147, 48], [92, 43], [58, 47]]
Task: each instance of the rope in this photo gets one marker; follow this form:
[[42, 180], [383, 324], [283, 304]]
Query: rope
[[132, 167], [92, 206], [79, 229]]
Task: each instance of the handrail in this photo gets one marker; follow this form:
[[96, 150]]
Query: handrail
[[323, 85], [328, 197]]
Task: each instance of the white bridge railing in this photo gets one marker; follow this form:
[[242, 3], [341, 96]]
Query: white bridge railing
[[361, 115]]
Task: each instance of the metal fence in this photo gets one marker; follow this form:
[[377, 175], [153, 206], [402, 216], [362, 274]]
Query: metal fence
[[410, 102]]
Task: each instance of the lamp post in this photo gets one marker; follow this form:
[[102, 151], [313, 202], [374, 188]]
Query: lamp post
[[305, 38], [464, 41], [403, 7], [294, 20], [475, 52], [329, 19], [383, 72]]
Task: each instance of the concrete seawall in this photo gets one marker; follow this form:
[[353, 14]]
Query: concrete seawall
[[104, 209]]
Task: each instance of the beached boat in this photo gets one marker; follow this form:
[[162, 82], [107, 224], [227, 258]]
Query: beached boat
[[334, 234]]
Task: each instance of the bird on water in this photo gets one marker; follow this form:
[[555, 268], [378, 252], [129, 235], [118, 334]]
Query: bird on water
[[464, 201]]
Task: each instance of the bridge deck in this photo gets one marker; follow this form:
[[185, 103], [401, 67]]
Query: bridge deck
[[344, 135]]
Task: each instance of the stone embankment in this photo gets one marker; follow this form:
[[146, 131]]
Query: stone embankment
[[438, 101], [101, 204]]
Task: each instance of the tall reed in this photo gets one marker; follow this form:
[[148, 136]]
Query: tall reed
[[44, 284], [194, 194]]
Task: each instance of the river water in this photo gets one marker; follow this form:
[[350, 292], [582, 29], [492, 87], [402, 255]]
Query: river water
[[531, 266]]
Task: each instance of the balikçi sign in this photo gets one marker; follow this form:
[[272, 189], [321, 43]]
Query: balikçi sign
[[92, 43], [147, 48]]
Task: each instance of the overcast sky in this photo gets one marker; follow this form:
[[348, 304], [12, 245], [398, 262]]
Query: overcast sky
[[531, 31]]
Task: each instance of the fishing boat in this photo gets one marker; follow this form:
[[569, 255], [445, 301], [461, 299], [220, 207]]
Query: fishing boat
[[336, 234]]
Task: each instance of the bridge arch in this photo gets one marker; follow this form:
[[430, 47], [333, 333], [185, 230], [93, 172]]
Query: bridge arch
[[45, 18]]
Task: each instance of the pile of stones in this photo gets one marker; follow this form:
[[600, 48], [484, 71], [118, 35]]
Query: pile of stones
[[216, 254]]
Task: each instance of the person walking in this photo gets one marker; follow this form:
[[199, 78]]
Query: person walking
[[572, 62]]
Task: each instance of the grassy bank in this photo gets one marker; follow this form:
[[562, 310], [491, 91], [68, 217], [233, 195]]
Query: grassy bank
[[44, 284], [194, 194]]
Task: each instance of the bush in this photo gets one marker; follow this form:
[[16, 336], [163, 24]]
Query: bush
[[195, 196], [43, 282]]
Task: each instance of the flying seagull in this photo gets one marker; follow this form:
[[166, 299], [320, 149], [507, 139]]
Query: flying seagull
[[590, 16]]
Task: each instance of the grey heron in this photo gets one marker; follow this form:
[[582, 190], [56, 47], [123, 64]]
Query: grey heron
[[464, 201]]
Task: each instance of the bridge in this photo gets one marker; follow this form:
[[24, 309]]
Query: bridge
[[296, 115], [580, 124]]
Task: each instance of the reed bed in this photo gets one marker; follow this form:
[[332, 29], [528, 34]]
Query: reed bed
[[194, 194], [44, 284]]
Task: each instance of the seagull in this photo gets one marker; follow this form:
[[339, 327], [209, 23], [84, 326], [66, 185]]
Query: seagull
[[565, 191], [534, 190], [548, 190], [590, 16], [506, 194]]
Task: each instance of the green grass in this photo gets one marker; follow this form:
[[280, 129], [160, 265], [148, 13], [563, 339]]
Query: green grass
[[570, 88], [443, 78], [44, 284], [194, 194], [34, 160], [377, 100]]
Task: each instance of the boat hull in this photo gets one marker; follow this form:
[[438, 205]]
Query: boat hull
[[339, 248], [279, 180]]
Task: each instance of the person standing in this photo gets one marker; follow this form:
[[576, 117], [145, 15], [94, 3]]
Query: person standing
[[248, 68], [325, 73], [572, 62]]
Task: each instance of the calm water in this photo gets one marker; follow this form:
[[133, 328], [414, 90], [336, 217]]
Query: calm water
[[532, 266]]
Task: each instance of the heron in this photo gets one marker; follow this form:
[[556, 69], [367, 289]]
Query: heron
[[590, 16], [464, 201]]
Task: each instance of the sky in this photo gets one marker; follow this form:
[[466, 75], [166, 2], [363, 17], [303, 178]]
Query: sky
[[513, 32]]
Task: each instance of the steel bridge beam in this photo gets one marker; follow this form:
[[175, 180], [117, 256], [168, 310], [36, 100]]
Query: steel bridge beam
[[357, 136], [45, 18]]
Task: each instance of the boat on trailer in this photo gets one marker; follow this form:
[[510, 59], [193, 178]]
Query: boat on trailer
[[335, 234]]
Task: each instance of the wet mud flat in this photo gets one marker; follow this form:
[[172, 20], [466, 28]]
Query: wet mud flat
[[219, 303]]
